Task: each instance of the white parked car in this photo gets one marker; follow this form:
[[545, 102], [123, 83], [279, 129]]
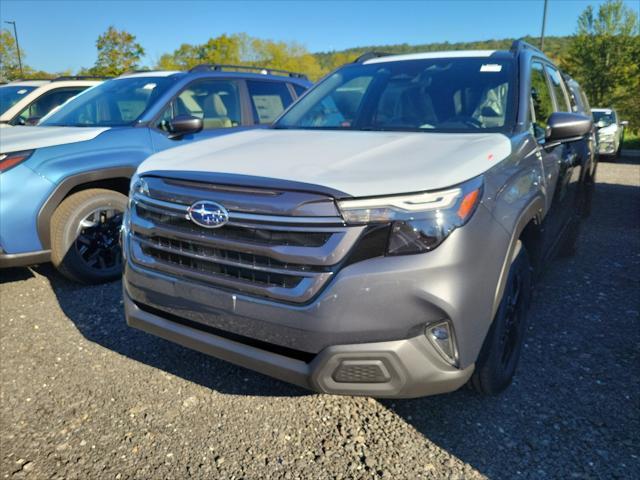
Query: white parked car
[[610, 131], [25, 102]]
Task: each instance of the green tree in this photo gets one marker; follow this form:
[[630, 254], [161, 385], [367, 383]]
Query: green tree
[[240, 49], [282, 55], [224, 49], [9, 69], [604, 56], [118, 52]]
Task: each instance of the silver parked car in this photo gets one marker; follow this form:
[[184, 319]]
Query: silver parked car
[[610, 131], [381, 238]]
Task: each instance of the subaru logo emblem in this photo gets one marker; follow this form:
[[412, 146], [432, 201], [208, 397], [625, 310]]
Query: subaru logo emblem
[[208, 214]]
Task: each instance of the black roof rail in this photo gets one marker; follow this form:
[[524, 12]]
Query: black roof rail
[[369, 55], [518, 45], [79, 77], [263, 70]]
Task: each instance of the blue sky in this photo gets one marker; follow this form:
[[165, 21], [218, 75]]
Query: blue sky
[[60, 35]]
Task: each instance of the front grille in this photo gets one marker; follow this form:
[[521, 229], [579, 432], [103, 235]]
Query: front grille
[[287, 258], [244, 234], [208, 260]]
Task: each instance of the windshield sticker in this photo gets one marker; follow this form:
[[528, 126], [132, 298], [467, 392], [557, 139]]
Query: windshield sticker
[[22, 92], [491, 67], [149, 86]]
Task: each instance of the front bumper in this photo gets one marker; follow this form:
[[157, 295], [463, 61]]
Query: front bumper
[[375, 310], [400, 369]]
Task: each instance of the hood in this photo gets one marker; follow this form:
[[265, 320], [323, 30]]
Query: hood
[[19, 138], [357, 163]]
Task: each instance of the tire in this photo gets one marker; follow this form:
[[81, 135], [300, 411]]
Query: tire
[[84, 236], [502, 346], [589, 190]]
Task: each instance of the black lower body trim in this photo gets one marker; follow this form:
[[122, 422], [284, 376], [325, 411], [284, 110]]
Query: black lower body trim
[[8, 260], [252, 342]]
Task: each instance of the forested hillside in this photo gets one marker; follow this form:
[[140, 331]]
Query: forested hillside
[[555, 47]]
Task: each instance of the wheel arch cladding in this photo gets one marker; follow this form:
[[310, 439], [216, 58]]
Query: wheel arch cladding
[[112, 179]]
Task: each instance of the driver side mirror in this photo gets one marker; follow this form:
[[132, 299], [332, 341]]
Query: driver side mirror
[[565, 126], [624, 123], [183, 125]]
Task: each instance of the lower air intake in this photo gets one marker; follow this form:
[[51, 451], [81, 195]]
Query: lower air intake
[[361, 371]]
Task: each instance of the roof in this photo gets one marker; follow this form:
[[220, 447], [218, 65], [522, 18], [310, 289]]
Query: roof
[[426, 55], [28, 83], [150, 73]]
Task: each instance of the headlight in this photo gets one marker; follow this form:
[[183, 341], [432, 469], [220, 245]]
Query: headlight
[[419, 222], [9, 160]]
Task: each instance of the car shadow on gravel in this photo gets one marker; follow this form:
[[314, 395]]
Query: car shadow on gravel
[[15, 275], [98, 313]]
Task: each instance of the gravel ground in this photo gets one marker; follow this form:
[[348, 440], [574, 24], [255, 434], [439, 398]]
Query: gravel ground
[[85, 397]]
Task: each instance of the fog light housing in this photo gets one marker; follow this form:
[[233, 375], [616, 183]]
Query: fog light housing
[[441, 336]]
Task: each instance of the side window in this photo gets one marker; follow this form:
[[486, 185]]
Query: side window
[[268, 99], [559, 90], [541, 103], [47, 102], [216, 102], [299, 89]]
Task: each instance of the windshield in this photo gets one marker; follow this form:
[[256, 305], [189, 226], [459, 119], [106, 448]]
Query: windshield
[[10, 95], [114, 103], [607, 118], [437, 94]]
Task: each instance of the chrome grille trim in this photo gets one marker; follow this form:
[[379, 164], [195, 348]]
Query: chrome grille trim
[[251, 217], [285, 258], [330, 253], [303, 291], [214, 258]]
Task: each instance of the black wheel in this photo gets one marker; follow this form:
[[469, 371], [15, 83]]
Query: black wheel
[[500, 352], [84, 236], [588, 192]]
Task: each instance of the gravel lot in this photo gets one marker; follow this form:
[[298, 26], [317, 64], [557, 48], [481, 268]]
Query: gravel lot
[[85, 397]]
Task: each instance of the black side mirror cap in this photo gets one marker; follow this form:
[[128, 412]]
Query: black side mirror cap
[[565, 126], [183, 125]]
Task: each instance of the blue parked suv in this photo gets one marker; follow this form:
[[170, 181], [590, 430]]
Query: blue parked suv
[[64, 183]]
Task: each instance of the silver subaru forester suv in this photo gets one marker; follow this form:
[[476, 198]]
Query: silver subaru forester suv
[[381, 238]]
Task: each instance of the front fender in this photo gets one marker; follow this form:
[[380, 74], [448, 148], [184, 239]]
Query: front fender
[[66, 186]]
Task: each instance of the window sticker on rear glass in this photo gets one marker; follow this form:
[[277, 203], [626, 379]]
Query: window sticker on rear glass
[[491, 67], [268, 107]]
